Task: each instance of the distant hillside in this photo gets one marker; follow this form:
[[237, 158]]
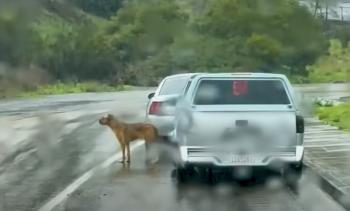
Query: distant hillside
[[101, 8], [67, 10]]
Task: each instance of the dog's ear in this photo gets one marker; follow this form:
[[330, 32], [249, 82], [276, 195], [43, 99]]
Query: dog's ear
[[110, 116]]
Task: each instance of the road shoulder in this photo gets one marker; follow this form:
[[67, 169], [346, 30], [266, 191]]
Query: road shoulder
[[328, 154]]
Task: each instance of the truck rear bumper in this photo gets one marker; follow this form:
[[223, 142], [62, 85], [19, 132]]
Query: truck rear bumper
[[204, 156]]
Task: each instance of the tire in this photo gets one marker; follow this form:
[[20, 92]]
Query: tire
[[187, 174], [292, 175], [212, 177], [181, 174]]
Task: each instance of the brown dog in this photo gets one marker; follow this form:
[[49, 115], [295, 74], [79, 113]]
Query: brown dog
[[127, 133]]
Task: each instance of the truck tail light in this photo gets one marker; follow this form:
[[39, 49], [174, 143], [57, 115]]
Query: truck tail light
[[300, 124], [155, 108]]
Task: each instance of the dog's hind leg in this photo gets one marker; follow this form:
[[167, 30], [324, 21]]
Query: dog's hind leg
[[151, 153], [128, 152], [146, 146], [147, 152], [121, 140]]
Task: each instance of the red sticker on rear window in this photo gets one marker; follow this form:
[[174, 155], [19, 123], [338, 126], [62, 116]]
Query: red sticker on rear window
[[239, 87]]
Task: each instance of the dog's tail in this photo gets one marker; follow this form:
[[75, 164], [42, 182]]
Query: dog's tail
[[151, 134]]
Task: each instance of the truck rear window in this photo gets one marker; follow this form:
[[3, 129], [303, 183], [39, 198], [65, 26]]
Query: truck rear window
[[230, 92]]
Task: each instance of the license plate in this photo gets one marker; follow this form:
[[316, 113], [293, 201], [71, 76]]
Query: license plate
[[243, 159]]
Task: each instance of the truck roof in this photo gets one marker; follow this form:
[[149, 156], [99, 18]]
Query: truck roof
[[181, 75], [224, 75], [243, 74]]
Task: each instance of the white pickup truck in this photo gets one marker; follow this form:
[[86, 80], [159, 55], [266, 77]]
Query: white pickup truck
[[239, 120]]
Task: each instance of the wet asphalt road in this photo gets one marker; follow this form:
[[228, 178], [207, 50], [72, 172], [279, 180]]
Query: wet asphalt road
[[138, 187], [38, 174]]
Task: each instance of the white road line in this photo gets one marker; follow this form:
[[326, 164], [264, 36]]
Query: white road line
[[59, 198], [320, 127], [112, 159], [338, 150], [334, 140], [327, 136], [321, 131], [326, 145], [339, 135]]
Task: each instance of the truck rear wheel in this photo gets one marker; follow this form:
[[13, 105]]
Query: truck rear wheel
[[292, 175], [184, 173], [181, 174]]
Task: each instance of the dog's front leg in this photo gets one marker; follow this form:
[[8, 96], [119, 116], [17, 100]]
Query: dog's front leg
[[121, 140], [123, 152]]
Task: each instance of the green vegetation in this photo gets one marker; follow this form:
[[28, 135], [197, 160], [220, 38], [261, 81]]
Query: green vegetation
[[102, 8], [332, 67], [224, 36], [336, 115], [139, 41], [61, 88]]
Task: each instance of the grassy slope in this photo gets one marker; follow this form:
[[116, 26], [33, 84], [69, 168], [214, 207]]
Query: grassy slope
[[61, 88], [336, 115], [62, 11]]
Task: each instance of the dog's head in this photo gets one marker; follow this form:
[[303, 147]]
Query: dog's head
[[105, 120]]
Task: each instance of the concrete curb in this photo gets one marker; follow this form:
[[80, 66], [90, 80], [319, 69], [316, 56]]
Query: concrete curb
[[325, 181], [330, 188]]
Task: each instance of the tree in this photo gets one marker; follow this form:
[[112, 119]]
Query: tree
[[141, 30], [16, 18], [139, 41], [70, 51], [156, 38], [294, 35]]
